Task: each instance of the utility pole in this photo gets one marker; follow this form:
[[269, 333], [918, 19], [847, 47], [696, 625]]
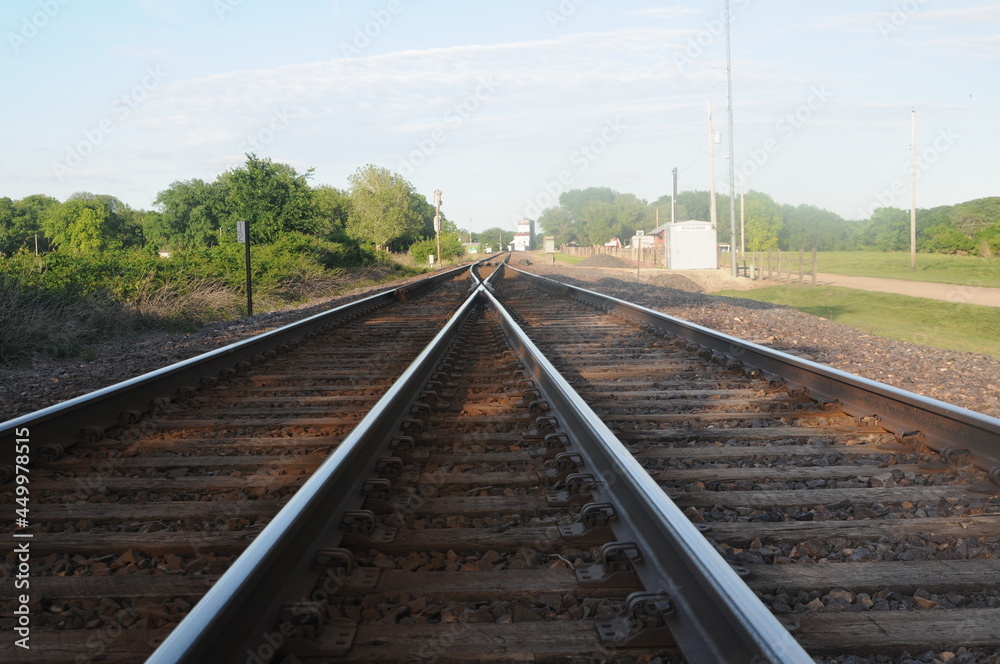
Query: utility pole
[[732, 150], [913, 189], [437, 221], [714, 216], [743, 238], [673, 200]]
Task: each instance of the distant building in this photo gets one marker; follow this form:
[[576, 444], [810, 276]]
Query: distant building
[[613, 243], [524, 239], [691, 245]]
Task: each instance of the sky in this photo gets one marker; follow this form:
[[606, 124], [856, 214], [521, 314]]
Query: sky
[[504, 105]]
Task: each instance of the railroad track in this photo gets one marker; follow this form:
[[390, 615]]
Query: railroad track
[[862, 540], [476, 508], [132, 526]]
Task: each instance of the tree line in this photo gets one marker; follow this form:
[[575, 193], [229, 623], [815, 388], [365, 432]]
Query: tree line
[[379, 210], [595, 215], [79, 271]]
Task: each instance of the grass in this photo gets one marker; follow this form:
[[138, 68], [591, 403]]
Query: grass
[[940, 268], [570, 260], [37, 325], [947, 325]]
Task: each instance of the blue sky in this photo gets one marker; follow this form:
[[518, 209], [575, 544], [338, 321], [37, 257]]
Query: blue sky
[[504, 104]]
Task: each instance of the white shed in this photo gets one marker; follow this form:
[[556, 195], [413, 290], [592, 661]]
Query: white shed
[[691, 245]]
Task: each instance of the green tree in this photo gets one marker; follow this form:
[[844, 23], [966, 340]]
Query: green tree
[[88, 223], [630, 215], [384, 208], [21, 221], [809, 227], [192, 213], [576, 200], [599, 222], [496, 237], [887, 230], [275, 198], [331, 207], [944, 239], [662, 205], [558, 222], [974, 217], [763, 222]]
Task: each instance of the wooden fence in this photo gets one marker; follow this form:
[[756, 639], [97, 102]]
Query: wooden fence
[[776, 266], [650, 256]]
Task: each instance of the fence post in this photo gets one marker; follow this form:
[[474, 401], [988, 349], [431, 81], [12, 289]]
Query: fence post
[[802, 266], [814, 267]]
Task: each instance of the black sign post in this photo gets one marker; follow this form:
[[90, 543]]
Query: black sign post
[[243, 235]]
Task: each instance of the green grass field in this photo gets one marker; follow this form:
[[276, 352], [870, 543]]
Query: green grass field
[[948, 325], [962, 270], [569, 260]]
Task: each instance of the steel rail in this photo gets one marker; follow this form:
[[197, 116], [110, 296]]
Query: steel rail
[[717, 618], [240, 611], [957, 433], [63, 424]]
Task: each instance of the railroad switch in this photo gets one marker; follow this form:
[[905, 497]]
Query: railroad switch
[[641, 624]]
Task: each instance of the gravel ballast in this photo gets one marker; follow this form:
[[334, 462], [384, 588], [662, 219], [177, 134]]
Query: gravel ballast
[[964, 379]]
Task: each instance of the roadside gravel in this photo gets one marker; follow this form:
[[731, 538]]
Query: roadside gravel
[[964, 379], [968, 380], [50, 382]]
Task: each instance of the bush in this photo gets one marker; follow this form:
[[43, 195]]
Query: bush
[[451, 248], [57, 304]]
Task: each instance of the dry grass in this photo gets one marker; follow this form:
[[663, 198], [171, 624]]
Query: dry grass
[[35, 324]]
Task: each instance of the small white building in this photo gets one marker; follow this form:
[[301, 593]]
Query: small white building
[[524, 239], [691, 245]]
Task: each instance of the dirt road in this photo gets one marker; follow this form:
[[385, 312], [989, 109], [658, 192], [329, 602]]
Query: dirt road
[[989, 297]]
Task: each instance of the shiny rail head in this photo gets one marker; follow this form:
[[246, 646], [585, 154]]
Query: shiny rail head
[[942, 425], [65, 422], [718, 617]]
